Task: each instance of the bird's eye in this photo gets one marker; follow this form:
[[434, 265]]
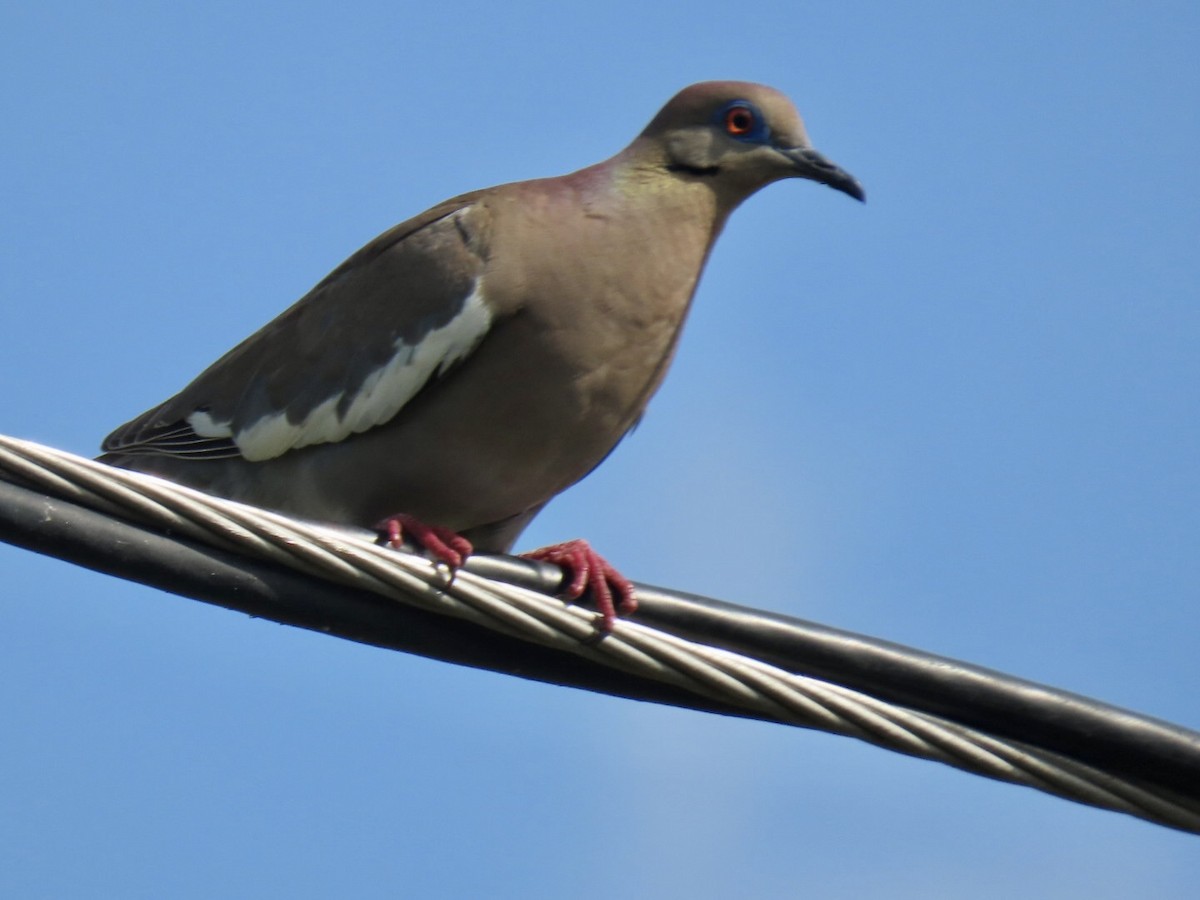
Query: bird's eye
[[739, 120]]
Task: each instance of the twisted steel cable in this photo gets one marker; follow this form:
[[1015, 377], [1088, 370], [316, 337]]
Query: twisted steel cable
[[728, 681]]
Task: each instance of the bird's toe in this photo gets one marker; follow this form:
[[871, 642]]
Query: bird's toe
[[443, 544], [587, 571]]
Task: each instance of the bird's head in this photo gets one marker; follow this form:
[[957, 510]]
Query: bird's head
[[741, 136]]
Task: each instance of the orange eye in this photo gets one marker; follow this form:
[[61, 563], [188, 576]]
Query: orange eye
[[739, 120]]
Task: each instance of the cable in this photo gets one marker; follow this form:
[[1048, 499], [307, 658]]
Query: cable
[[681, 649]]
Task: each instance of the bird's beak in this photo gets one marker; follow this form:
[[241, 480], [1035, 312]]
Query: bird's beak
[[812, 165]]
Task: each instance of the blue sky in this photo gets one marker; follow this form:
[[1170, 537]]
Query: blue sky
[[962, 417]]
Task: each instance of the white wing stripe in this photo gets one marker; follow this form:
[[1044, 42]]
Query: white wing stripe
[[382, 394]]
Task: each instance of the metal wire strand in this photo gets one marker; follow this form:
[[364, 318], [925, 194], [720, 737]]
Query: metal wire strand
[[735, 680]]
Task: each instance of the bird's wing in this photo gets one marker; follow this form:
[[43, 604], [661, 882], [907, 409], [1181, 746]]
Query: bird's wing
[[347, 357]]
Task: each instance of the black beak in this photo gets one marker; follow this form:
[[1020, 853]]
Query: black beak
[[812, 165]]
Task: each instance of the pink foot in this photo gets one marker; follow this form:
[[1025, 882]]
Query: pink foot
[[443, 544], [611, 591]]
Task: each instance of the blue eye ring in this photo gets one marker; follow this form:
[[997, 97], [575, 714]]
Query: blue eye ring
[[742, 121]]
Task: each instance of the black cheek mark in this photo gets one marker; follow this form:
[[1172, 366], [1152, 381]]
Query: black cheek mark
[[698, 171]]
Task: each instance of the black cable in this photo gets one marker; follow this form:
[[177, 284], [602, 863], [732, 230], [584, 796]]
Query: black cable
[[1107, 737], [1111, 739], [96, 541]]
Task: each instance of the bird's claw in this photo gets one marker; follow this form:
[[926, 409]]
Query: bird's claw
[[443, 544], [586, 569]]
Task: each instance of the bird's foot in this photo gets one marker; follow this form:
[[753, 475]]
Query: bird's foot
[[441, 543], [586, 569]]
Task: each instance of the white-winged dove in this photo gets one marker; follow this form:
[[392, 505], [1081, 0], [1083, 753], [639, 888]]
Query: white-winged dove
[[468, 365]]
